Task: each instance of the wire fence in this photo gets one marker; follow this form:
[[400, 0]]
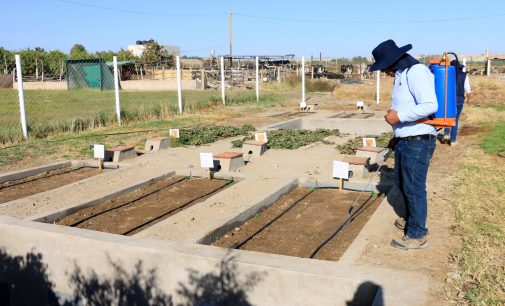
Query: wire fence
[[80, 94], [74, 95]]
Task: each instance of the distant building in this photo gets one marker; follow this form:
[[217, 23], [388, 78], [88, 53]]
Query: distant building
[[140, 46]]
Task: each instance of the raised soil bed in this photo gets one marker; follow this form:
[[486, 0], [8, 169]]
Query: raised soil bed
[[27, 186], [135, 211], [306, 225]]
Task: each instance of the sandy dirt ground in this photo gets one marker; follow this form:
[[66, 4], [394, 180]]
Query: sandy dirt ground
[[433, 262]]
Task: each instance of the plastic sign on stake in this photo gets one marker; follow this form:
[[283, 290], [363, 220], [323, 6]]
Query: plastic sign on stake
[[261, 137], [360, 104], [303, 104], [206, 160], [174, 133], [369, 142], [99, 151], [340, 169]]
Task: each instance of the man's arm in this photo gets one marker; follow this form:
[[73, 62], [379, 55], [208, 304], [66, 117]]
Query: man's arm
[[422, 86], [468, 90]]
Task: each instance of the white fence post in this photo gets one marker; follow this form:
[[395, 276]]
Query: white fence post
[[222, 81], [303, 79], [279, 74], [179, 90], [464, 64], [21, 96], [257, 79], [378, 90], [116, 90]]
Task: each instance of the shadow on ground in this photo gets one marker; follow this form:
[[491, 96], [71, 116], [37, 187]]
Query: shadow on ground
[[25, 281], [368, 293]]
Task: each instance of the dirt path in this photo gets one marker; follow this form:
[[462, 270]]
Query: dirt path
[[128, 214], [435, 261], [43, 182], [300, 231]]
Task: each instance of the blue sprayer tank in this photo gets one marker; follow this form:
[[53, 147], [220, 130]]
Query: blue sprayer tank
[[445, 111]]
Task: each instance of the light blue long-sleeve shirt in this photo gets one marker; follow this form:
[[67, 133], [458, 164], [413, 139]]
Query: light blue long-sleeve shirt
[[414, 98]]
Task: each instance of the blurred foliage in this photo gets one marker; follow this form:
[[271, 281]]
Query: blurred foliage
[[352, 145], [291, 139]]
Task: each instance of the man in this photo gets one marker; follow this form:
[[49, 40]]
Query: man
[[462, 90], [413, 99]]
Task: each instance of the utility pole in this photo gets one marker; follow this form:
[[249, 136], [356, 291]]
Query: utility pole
[[488, 63], [231, 36]]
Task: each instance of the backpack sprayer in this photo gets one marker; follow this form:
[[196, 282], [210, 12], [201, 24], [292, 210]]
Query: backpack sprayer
[[445, 90]]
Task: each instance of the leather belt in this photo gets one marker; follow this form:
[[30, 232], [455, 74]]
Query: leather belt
[[418, 137]]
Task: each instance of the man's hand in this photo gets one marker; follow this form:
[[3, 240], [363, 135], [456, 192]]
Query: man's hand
[[391, 117]]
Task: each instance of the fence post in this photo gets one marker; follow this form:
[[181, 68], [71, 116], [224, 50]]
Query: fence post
[[257, 79], [116, 90], [222, 81], [21, 96], [179, 90], [303, 79], [378, 90], [279, 74]]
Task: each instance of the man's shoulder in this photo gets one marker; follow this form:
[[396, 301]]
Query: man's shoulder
[[419, 69]]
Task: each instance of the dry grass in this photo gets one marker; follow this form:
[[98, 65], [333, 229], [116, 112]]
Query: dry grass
[[487, 91], [479, 204], [364, 90]]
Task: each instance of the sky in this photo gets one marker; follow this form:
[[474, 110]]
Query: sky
[[260, 27]]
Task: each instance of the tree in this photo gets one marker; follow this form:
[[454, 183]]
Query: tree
[[6, 60], [125, 55], [78, 51], [106, 55], [152, 53]]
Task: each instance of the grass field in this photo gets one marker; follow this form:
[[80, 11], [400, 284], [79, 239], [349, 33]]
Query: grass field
[[480, 215], [50, 112]]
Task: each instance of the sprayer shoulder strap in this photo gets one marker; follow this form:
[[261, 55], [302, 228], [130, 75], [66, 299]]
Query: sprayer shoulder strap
[[408, 86], [407, 79]]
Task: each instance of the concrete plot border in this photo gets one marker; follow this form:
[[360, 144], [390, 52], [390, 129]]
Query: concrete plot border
[[369, 126], [53, 216], [283, 280], [16, 175], [20, 174]]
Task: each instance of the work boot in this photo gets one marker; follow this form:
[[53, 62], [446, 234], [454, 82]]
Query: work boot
[[406, 243], [446, 139], [400, 223]]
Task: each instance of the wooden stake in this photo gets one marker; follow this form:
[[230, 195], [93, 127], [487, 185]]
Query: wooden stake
[[100, 164], [340, 184], [209, 174]]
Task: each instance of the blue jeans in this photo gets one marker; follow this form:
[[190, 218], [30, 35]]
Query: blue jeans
[[454, 130], [412, 159]]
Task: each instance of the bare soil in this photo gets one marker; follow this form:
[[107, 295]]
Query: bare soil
[[45, 181], [356, 116], [135, 211], [300, 231]]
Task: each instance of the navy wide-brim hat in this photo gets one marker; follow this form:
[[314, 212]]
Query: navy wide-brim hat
[[387, 53]]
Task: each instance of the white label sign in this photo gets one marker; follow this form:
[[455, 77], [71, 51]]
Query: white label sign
[[360, 104], [174, 133], [206, 160], [340, 169], [303, 104], [99, 151], [261, 137], [369, 142]]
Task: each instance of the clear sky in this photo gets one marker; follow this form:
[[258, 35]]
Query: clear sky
[[335, 28]]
